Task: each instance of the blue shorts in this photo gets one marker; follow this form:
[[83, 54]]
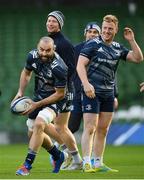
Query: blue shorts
[[101, 103], [65, 105]]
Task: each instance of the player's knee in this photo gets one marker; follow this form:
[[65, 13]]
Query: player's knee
[[102, 131], [90, 129], [61, 128], [39, 125], [46, 115]]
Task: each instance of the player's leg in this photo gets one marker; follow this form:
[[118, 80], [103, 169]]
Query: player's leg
[[44, 117], [76, 115], [90, 121], [90, 117], [52, 132], [105, 119], [74, 121], [61, 123], [104, 122]]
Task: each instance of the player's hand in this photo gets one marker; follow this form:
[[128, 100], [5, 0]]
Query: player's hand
[[89, 90], [32, 107], [128, 34], [18, 95], [142, 87]]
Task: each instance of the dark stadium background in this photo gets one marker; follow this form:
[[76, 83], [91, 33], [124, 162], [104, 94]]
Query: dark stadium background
[[22, 23]]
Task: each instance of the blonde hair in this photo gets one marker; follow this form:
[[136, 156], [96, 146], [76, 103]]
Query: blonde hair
[[111, 18]]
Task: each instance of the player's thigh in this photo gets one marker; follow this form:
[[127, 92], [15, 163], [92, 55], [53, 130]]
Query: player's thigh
[[62, 119]]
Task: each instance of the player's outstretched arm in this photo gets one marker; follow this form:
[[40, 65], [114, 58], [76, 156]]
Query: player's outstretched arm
[[135, 55]]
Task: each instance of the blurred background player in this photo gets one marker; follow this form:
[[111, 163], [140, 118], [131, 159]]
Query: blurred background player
[[64, 48], [91, 30], [101, 55], [50, 83]]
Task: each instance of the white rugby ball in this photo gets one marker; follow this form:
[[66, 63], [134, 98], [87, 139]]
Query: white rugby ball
[[20, 105]]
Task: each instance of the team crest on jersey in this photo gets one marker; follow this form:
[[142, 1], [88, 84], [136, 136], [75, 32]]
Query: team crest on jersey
[[115, 44], [88, 107]]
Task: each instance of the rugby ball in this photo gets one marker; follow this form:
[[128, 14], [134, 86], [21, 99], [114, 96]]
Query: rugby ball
[[20, 105]]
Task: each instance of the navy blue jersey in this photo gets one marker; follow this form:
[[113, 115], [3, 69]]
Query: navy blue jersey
[[76, 79], [48, 75], [103, 62], [66, 51]]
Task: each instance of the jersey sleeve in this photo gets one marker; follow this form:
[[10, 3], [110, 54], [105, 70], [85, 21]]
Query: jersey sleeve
[[88, 49], [124, 52], [29, 62]]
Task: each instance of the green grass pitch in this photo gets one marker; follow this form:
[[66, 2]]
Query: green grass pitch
[[129, 160]]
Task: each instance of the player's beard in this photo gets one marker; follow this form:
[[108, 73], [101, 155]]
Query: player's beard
[[46, 58]]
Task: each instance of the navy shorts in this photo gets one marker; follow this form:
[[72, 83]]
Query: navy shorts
[[101, 103], [65, 105]]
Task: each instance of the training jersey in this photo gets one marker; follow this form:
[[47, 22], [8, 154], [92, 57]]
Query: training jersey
[[103, 62], [76, 79], [48, 75], [66, 51]]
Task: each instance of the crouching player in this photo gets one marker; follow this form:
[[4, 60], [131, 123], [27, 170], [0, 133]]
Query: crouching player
[[50, 82]]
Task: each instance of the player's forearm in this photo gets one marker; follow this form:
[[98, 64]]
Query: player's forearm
[[57, 96], [24, 80], [136, 51], [81, 69]]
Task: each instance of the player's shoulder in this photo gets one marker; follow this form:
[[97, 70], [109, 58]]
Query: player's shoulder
[[94, 42], [58, 62], [80, 45], [33, 54], [97, 40]]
